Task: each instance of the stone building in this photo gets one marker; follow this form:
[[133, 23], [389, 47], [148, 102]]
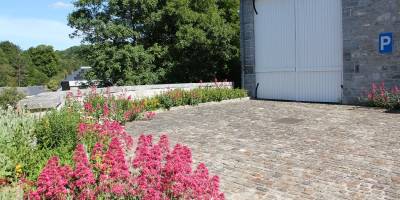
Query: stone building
[[319, 50]]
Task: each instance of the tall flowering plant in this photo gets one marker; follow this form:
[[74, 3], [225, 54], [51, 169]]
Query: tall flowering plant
[[380, 96]]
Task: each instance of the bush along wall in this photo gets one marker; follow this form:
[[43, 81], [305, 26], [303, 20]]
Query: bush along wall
[[83, 151], [380, 96]]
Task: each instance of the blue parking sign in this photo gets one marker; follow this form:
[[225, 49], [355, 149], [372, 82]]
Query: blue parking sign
[[385, 43]]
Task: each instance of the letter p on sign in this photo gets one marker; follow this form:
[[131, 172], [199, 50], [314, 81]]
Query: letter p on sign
[[386, 42]]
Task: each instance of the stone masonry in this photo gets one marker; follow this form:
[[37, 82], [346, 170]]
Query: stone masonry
[[247, 43], [363, 21]]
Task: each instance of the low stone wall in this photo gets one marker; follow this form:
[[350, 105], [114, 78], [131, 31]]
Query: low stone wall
[[30, 90], [51, 100]]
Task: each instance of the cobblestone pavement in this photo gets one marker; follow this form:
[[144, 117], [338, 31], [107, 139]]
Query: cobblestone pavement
[[285, 150]]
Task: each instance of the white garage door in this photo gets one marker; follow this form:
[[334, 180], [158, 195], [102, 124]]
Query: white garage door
[[299, 50]]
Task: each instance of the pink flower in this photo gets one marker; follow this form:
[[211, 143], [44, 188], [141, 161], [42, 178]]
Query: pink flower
[[82, 175], [97, 152], [114, 162], [53, 180], [88, 107], [106, 110], [177, 171], [164, 145], [82, 129], [150, 115], [161, 174], [149, 160], [79, 93], [33, 195]]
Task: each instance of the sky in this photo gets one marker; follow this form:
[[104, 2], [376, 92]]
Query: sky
[[29, 23]]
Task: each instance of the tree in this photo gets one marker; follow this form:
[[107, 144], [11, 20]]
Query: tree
[[159, 40], [15, 59], [45, 59], [3, 57], [5, 70]]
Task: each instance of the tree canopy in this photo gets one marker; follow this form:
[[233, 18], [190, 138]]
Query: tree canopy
[[152, 41], [37, 65], [45, 59]]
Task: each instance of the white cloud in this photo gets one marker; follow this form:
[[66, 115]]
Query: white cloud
[[28, 32], [60, 5]]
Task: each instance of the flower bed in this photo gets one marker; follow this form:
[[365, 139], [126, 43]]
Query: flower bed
[[125, 109], [155, 172], [83, 151], [379, 96]]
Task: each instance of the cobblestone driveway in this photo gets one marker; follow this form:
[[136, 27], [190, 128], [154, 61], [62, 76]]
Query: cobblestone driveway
[[283, 150]]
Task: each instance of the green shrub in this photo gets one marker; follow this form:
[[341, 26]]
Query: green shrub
[[180, 97], [17, 142], [151, 104], [10, 97], [58, 128], [53, 84]]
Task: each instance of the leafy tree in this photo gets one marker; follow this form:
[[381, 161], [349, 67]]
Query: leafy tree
[[11, 51], [3, 57], [137, 41], [6, 71], [38, 65], [16, 60], [45, 59], [36, 77], [6, 75]]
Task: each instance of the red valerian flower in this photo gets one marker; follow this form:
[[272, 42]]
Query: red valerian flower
[[82, 175], [115, 162], [88, 107], [159, 173], [53, 180]]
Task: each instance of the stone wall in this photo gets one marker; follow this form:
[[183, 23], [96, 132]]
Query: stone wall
[[247, 46], [363, 21]]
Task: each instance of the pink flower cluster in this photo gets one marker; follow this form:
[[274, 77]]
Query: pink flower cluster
[[378, 92], [53, 181], [155, 173], [381, 97], [104, 131]]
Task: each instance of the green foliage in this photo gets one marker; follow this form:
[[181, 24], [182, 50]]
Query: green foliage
[[53, 84], [10, 97], [38, 65], [180, 97], [12, 72], [3, 57], [125, 65], [139, 42], [11, 51], [36, 77], [57, 129], [16, 142], [45, 59], [6, 75]]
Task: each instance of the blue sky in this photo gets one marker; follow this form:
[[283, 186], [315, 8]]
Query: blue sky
[[29, 23]]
